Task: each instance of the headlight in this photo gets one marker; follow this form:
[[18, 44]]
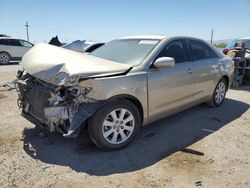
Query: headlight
[[77, 91], [73, 80], [79, 94], [62, 78]]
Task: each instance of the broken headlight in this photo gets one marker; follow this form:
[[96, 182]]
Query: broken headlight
[[73, 79], [62, 78], [76, 91]]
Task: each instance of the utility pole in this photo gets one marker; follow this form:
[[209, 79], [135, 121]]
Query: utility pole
[[212, 35], [27, 30]]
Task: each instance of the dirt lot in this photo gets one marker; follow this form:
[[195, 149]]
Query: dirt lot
[[201, 147]]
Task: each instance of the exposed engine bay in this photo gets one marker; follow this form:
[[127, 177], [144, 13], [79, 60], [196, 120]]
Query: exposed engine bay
[[59, 108]]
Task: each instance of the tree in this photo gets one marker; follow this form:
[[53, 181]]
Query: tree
[[220, 45]]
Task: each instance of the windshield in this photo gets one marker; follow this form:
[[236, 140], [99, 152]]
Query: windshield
[[126, 51]]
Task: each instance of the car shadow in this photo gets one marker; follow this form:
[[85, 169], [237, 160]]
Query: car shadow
[[11, 63], [243, 87], [156, 142]]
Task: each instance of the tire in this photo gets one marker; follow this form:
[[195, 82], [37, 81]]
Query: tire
[[4, 58], [219, 93], [109, 131]]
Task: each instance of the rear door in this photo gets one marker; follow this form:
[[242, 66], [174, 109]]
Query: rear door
[[171, 88], [205, 69], [4, 45], [15, 48]]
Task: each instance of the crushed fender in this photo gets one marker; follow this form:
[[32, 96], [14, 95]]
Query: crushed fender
[[84, 112]]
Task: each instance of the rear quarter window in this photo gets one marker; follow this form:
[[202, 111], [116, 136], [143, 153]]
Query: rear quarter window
[[26, 44]]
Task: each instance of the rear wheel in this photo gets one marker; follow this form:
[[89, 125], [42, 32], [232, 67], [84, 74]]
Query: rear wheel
[[115, 125], [4, 58], [219, 93]]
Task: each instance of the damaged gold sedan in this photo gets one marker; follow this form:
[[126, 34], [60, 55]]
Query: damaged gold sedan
[[121, 86]]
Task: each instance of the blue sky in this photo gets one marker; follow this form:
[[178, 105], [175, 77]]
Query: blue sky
[[103, 20]]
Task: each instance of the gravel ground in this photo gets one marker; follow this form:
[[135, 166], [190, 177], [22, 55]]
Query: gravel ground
[[200, 147]]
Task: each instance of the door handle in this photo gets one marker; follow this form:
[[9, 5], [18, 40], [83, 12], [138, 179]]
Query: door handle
[[189, 70]]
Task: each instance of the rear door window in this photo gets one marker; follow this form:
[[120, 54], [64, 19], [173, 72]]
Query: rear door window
[[14, 42], [200, 50], [176, 49]]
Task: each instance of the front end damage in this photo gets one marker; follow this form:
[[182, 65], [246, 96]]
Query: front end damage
[[49, 89], [58, 108]]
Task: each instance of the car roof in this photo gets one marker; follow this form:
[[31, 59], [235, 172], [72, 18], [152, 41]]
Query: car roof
[[5, 37], [160, 37], [156, 37], [244, 38], [10, 38], [93, 42]]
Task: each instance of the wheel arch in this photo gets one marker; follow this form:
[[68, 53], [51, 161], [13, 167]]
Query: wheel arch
[[6, 53], [133, 100], [227, 80]]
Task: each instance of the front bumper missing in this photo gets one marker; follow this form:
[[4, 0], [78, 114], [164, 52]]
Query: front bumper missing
[[66, 118], [55, 113], [85, 111]]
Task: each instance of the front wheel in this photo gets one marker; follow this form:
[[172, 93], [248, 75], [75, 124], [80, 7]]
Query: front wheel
[[219, 93], [115, 125]]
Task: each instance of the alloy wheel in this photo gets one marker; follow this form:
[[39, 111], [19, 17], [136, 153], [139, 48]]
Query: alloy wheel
[[4, 59], [118, 126], [220, 92]]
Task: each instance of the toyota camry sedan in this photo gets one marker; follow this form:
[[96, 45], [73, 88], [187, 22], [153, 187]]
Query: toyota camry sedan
[[121, 86]]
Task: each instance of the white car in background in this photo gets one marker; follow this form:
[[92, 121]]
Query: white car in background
[[12, 49]]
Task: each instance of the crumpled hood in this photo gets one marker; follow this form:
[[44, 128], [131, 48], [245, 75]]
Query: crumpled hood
[[45, 61]]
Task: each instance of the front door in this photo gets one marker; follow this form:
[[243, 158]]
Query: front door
[[171, 88]]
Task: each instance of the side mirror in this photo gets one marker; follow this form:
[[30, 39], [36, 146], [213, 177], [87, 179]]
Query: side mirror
[[164, 62]]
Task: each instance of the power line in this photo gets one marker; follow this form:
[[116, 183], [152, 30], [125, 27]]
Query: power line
[[27, 30]]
